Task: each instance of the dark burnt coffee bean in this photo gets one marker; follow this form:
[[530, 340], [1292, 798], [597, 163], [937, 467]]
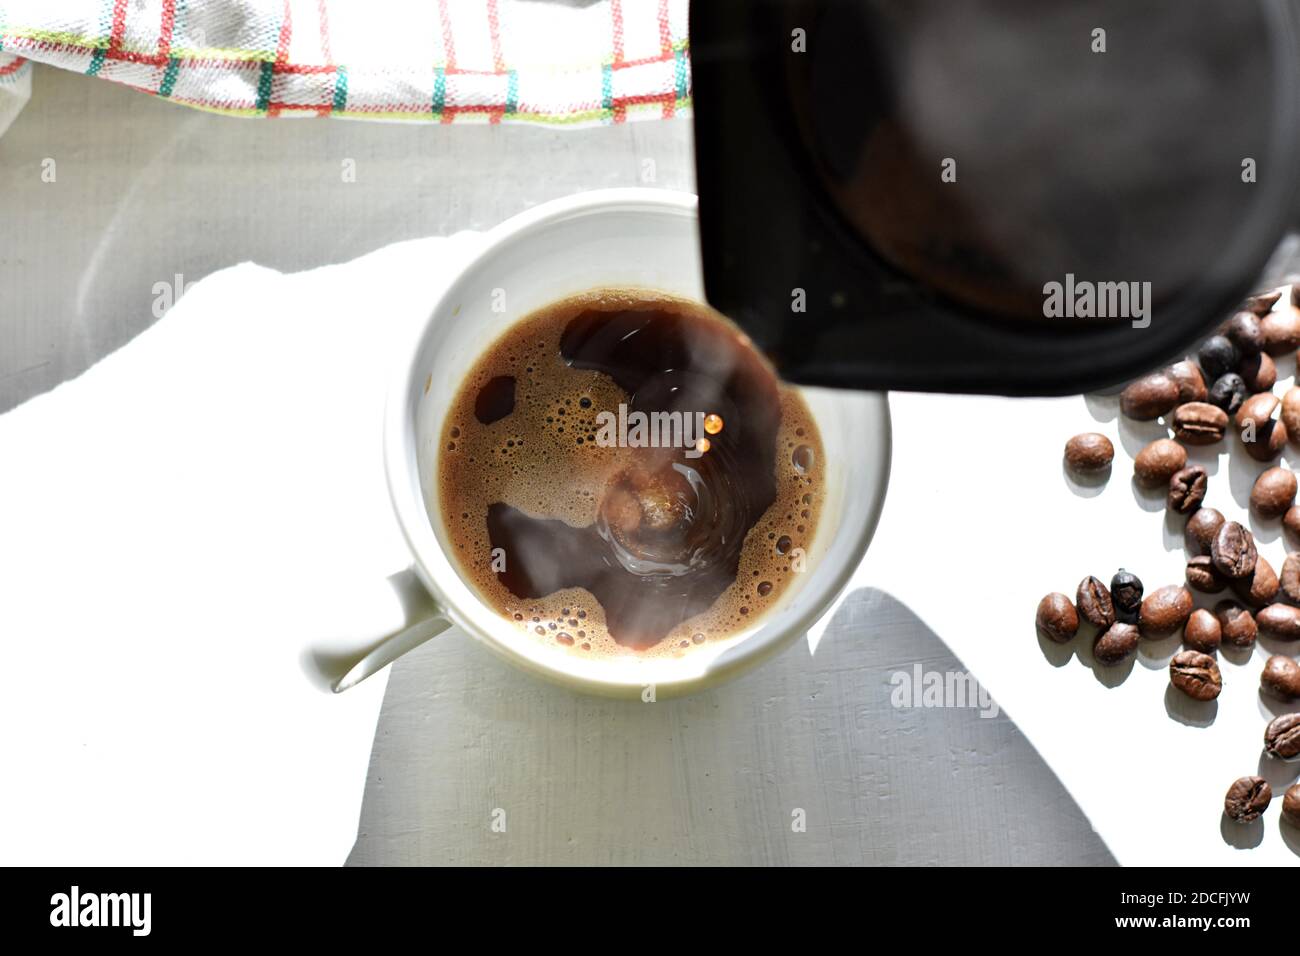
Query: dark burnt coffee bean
[[1199, 423], [1280, 678], [1282, 737], [1165, 610], [1233, 550], [1201, 529], [1244, 332], [1196, 675], [1089, 453], [1203, 576], [1115, 644], [1289, 579], [1259, 372], [1149, 397], [1263, 303], [1203, 632], [1247, 799], [1236, 623], [1228, 392], [1057, 618], [1279, 621], [1094, 603], [1126, 596], [1291, 805], [1258, 588], [1273, 493], [1217, 356], [1267, 440], [1191, 383], [1187, 490], [1281, 331], [1157, 462]]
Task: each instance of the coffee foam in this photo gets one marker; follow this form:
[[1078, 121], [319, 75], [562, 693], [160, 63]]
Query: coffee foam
[[543, 460]]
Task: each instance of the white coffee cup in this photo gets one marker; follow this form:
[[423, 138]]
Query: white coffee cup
[[621, 237]]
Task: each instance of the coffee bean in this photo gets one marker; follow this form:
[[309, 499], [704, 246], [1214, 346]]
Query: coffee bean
[[1057, 617], [1237, 624], [1191, 383], [1203, 632], [1291, 805], [1273, 493], [1149, 397], [1126, 596], [1280, 678], [1247, 798], [1228, 392], [1291, 411], [1258, 372], [1291, 522], [1156, 463], [1281, 331], [1263, 303], [1282, 737], [1094, 603], [1165, 610], [1279, 621], [1260, 586], [1217, 356], [1199, 423], [1257, 409], [1244, 332], [1187, 489], [1201, 529], [1267, 442], [1203, 576], [1089, 453], [1115, 644], [1290, 577], [1196, 675], [1233, 550]]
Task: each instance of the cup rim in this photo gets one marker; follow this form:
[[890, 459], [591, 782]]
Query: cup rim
[[400, 460]]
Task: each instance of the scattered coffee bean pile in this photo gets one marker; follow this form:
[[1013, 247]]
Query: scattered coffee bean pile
[[1227, 387]]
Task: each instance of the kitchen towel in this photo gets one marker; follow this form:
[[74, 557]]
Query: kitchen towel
[[562, 62], [179, 527]]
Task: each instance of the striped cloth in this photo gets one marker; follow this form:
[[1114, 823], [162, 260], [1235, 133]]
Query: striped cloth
[[568, 62]]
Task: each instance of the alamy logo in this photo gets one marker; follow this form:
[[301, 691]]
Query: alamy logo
[[689, 430], [1098, 300], [922, 688], [102, 909]]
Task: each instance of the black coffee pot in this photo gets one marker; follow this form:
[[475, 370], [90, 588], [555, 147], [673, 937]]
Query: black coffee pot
[[1007, 196]]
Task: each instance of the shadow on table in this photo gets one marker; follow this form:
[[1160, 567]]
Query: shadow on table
[[466, 743]]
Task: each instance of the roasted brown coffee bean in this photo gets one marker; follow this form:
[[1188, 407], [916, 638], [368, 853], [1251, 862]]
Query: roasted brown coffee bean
[[1258, 372], [1273, 493], [1199, 423], [1089, 453], [1281, 678], [1191, 383], [1201, 529], [1247, 798], [1165, 610], [1244, 332], [1257, 409], [1237, 624], [1187, 489], [1289, 580], [1282, 737], [1291, 411], [1258, 588], [1094, 603], [1203, 576], [1057, 618], [1281, 330], [1149, 397], [1203, 632], [1263, 303], [1157, 462], [1196, 675], [1115, 644], [1267, 442], [1279, 621], [1291, 522], [1233, 550], [1291, 805]]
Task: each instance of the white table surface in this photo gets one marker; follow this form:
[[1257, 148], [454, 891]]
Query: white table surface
[[979, 524]]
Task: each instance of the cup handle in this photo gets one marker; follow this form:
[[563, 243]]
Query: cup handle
[[378, 624]]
